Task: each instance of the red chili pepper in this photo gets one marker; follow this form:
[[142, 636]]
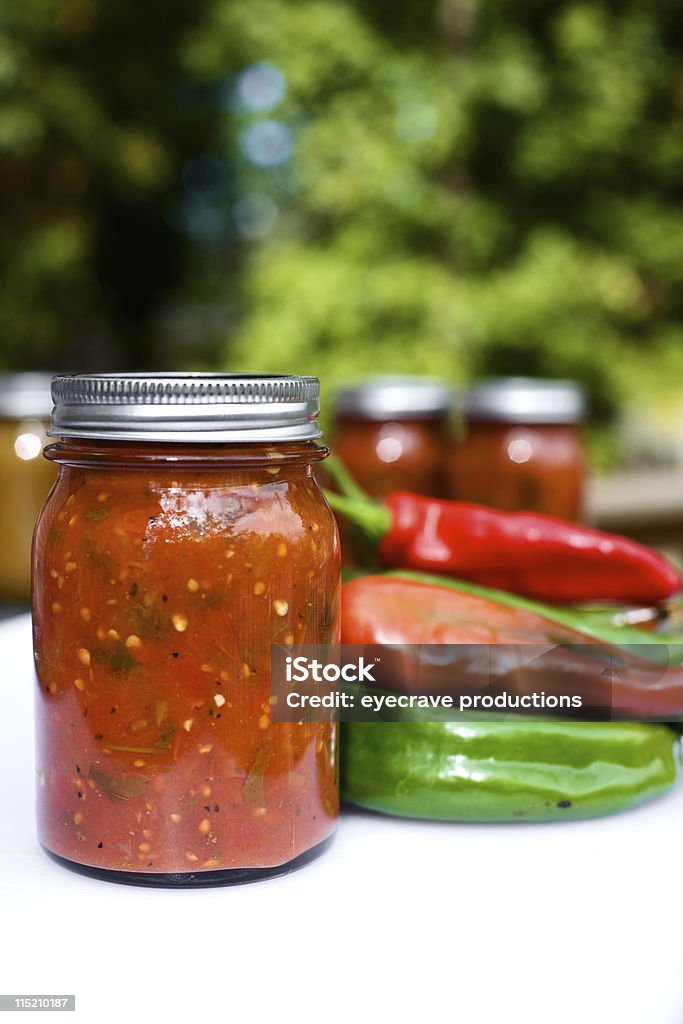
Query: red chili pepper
[[388, 610], [524, 552]]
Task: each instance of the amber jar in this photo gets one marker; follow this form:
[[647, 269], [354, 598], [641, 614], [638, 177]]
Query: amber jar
[[521, 447], [391, 434], [25, 477], [186, 534]]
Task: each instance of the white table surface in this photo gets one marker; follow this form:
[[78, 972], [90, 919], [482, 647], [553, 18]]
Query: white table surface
[[399, 921]]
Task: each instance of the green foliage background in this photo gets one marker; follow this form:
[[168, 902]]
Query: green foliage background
[[91, 144], [475, 187]]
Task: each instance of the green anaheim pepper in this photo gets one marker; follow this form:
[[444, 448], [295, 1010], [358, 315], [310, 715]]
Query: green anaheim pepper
[[660, 646], [521, 770]]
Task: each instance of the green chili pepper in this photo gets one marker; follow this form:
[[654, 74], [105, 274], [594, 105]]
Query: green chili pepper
[[521, 770], [664, 647]]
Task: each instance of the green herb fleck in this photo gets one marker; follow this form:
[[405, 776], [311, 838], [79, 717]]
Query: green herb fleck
[[118, 658], [153, 623], [97, 558], [161, 711], [118, 787], [97, 513], [166, 736], [212, 598], [253, 785], [131, 750]]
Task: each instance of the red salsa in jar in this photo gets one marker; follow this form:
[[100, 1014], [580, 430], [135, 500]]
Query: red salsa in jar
[[521, 447], [391, 434], [185, 536]]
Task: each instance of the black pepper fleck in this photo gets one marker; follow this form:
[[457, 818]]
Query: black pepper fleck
[[164, 598], [564, 803], [100, 845], [80, 795], [174, 654]]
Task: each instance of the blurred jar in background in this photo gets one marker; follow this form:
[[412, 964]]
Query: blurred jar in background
[[521, 447], [25, 476], [391, 434]]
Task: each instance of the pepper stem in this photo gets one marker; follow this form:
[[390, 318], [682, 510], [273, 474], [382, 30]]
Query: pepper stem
[[374, 519], [343, 479]]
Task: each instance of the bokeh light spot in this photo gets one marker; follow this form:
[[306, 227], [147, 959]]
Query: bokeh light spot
[[389, 449], [28, 446], [267, 143], [519, 451], [261, 86], [416, 121], [255, 215]]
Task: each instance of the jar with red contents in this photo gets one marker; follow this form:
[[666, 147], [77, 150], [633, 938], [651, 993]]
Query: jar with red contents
[[391, 434], [521, 447], [185, 535], [25, 477]]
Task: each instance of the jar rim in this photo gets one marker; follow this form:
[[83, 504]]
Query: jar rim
[[185, 407], [105, 454]]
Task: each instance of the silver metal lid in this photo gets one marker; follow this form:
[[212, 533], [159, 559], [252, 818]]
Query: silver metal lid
[[395, 397], [25, 396], [524, 400], [185, 407]]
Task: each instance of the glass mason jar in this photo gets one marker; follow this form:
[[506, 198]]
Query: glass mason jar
[[391, 434], [521, 447], [186, 534], [25, 477]]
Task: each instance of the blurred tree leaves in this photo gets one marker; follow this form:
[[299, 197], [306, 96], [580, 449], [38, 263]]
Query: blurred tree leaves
[[90, 146], [474, 187], [452, 186]]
